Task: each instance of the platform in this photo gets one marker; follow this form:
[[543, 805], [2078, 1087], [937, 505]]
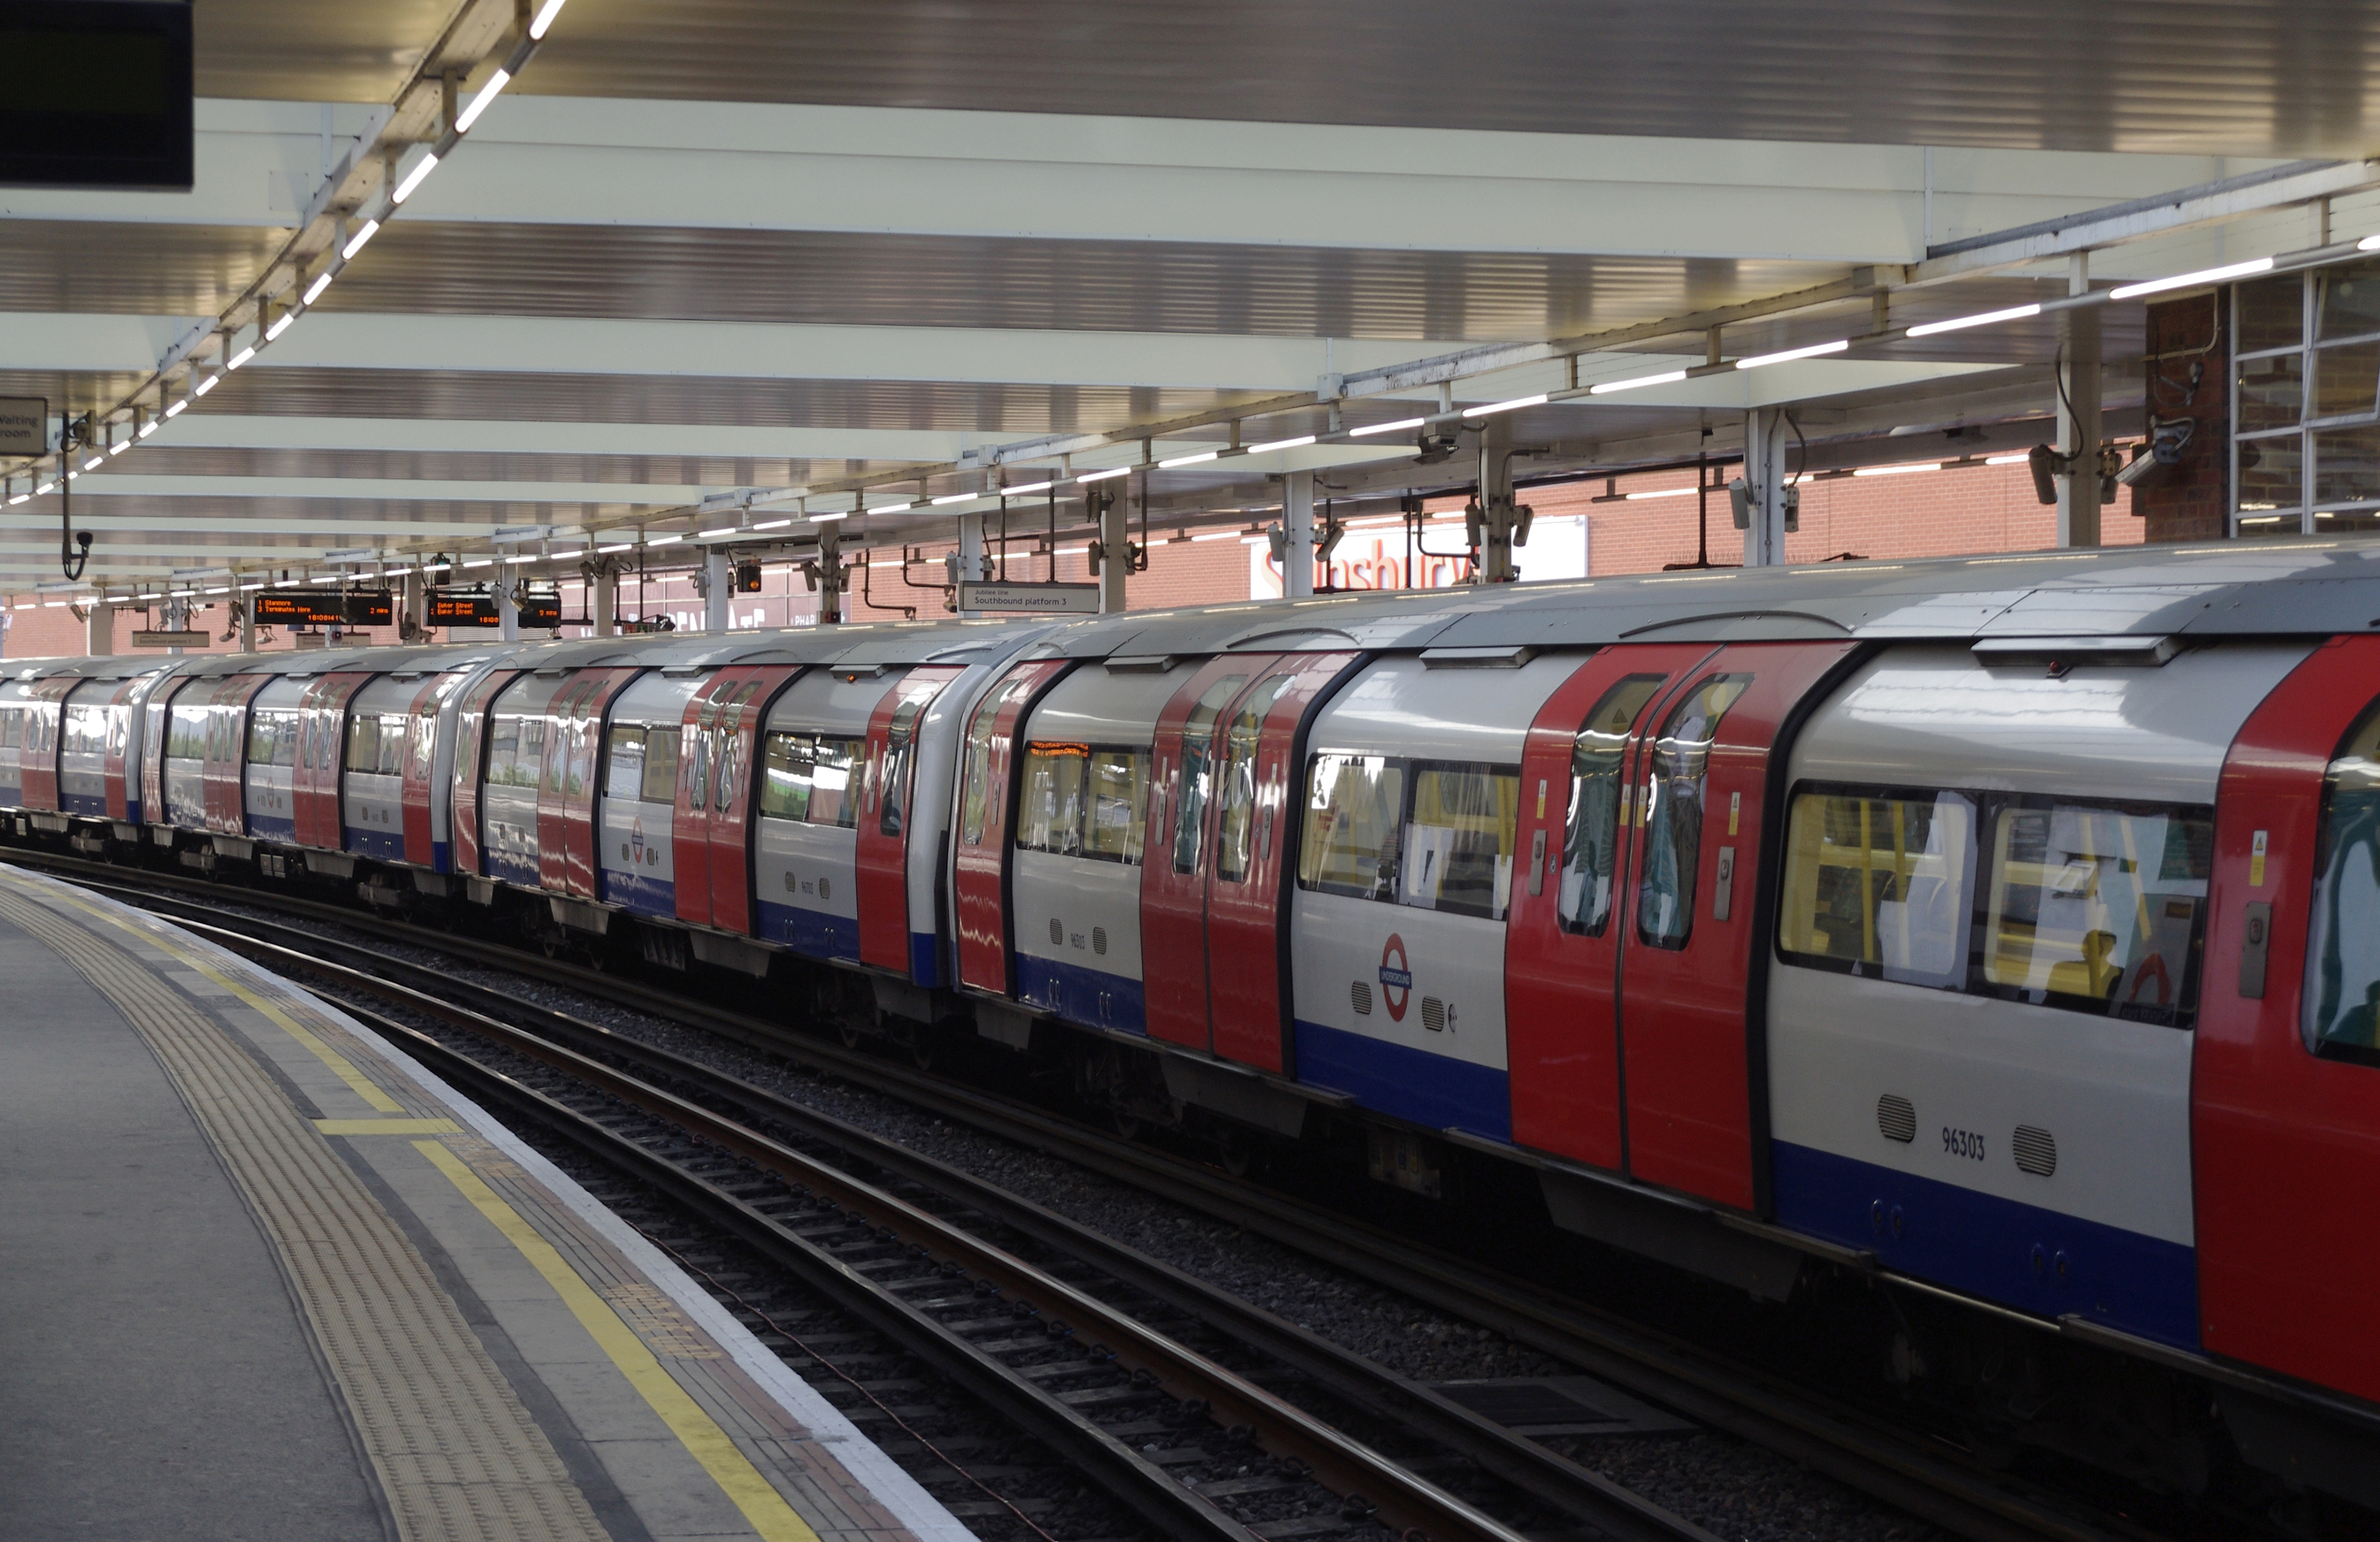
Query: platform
[[265, 1277]]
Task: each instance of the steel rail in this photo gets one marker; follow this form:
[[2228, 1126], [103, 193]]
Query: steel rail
[[1841, 1442]]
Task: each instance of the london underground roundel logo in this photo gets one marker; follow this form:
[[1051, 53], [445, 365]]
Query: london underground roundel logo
[[1396, 978]]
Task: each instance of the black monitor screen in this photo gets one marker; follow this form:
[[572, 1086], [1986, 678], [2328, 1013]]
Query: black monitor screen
[[95, 93]]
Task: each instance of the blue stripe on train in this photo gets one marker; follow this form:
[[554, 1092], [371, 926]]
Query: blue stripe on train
[[2001, 1249], [925, 958], [519, 868], [267, 827], [89, 805], [813, 932], [1434, 1090], [1091, 997], [640, 893], [381, 846]]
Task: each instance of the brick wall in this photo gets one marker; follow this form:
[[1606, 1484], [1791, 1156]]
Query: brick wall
[[2183, 334]]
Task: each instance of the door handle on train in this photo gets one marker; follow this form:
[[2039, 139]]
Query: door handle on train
[[1537, 862], [2255, 940]]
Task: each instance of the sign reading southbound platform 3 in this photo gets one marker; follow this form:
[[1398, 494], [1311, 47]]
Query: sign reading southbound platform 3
[[1038, 598], [453, 608], [325, 607]]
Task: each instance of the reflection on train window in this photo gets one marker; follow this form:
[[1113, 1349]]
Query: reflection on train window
[[516, 752], [900, 754], [1457, 851], [363, 742], [1673, 835], [1235, 825], [86, 730], [729, 737], [1876, 884], [623, 762], [2097, 908], [1597, 773], [272, 738], [1199, 757], [1354, 805], [661, 764], [975, 789], [2342, 994], [12, 728], [1084, 800], [807, 777], [187, 738]]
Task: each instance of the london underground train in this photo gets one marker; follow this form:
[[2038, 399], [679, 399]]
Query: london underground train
[[2004, 929]]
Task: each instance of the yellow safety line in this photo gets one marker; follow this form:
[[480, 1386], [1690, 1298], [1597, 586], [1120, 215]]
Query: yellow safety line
[[761, 1504], [388, 1126], [341, 1067]]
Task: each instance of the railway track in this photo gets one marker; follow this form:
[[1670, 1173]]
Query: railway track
[[767, 1134]]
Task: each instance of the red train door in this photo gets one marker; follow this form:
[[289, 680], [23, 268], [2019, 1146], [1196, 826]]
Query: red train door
[[121, 704], [562, 717], [153, 733], [1184, 783], [420, 764], [690, 821], [2285, 1130], [1561, 944], [1694, 1110], [321, 753], [46, 718], [471, 765], [886, 940], [579, 786], [226, 773], [735, 736], [987, 803], [1256, 836]]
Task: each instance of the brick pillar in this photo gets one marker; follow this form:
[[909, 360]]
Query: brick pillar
[[2189, 505]]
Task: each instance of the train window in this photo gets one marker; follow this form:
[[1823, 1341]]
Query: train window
[[12, 728], [1876, 884], [1118, 815], [624, 763], [2342, 993], [1354, 807], [730, 722], [1597, 778], [185, 739], [900, 749], [1049, 816], [1457, 851], [809, 777], [785, 777], [1673, 820], [272, 738], [1235, 826], [2097, 908], [660, 765], [363, 742], [86, 730], [390, 761], [834, 791], [1199, 771]]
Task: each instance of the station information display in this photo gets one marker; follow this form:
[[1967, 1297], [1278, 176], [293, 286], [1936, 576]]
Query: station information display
[[325, 607], [474, 608]]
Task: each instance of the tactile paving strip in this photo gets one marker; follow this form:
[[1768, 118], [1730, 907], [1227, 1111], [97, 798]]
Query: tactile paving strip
[[458, 1457]]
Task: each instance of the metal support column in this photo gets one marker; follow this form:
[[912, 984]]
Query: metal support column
[[603, 597], [2077, 414], [246, 624], [177, 619], [99, 635], [1297, 525], [830, 572], [1498, 523], [974, 566], [1765, 439], [412, 606], [715, 591], [507, 610], [1115, 550]]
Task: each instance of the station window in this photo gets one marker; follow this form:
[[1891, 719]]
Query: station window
[[1673, 835], [2342, 993], [272, 738], [2305, 402], [807, 777], [1597, 795], [1875, 883], [2098, 908]]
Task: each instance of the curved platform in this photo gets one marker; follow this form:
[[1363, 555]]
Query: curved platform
[[264, 1276]]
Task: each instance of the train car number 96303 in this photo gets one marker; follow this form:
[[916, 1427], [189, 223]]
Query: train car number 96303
[[1962, 1143]]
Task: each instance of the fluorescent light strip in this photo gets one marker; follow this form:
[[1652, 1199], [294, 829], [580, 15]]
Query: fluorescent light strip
[[764, 525], [890, 508], [177, 408], [2369, 243], [94, 463], [235, 360], [481, 562], [147, 429], [18, 499], [2184, 281], [1813, 351], [322, 281], [1983, 319], [1103, 476], [1667, 377], [1397, 427], [119, 447], [421, 168], [714, 535], [2009, 460], [355, 242], [470, 115], [663, 540], [1298, 443], [545, 16], [281, 323], [1896, 470], [948, 498], [1029, 486], [1199, 459], [1664, 493], [1517, 401], [607, 550], [830, 517]]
